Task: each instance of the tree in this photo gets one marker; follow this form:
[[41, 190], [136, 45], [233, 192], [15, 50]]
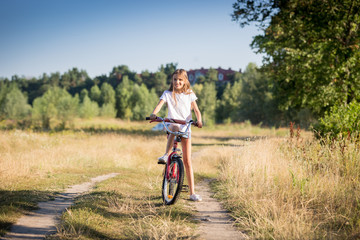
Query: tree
[[84, 93], [108, 110], [312, 49], [255, 95], [95, 94], [57, 104], [123, 96], [142, 101], [73, 78], [107, 94], [169, 69], [230, 103], [212, 75], [88, 108], [207, 101], [15, 104], [107, 101], [54, 79], [67, 107], [119, 71], [159, 82], [3, 92]]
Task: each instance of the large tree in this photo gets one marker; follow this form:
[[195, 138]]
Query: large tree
[[311, 49], [15, 104]]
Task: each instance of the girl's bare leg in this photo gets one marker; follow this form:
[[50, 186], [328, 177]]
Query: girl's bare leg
[[186, 148], [170, 140]]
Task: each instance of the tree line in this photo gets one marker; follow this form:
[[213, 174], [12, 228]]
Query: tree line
[[56, 99]]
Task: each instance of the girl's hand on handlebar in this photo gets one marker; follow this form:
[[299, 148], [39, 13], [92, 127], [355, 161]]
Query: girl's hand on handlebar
[[198, 124], [152, 116]]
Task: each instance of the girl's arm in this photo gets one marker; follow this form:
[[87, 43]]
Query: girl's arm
[[197, 113], [157, 109]]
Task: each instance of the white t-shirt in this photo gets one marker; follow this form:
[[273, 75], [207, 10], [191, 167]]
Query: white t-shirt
[[181, 109]]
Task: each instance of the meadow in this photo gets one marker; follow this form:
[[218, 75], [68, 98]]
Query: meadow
[[275, 187]]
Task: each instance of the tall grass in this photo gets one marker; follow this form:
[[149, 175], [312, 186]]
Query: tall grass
[[40, 157], [36, 165], [293, 189]]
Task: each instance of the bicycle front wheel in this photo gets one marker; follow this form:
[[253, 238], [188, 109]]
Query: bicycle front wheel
[[173, 181]]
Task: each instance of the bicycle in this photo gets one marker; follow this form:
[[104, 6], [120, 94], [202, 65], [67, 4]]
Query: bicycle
[[174, 168]]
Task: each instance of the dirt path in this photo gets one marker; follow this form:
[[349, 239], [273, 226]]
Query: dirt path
[[215, 220], [42, 222]]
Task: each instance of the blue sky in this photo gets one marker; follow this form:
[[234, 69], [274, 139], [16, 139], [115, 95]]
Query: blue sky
[[47, 36]]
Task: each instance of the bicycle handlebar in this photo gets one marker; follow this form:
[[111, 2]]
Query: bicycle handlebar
[[171, 120]]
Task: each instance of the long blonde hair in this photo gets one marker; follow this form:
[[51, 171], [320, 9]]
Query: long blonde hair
[[186, 88]]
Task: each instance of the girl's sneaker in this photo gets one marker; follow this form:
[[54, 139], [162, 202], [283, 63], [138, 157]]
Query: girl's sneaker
[[162, 160], [195, 198]]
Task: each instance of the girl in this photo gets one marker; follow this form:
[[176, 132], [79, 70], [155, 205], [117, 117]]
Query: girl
[[180, 101]]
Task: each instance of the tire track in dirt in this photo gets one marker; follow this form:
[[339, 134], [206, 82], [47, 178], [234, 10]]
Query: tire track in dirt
[[40, 223]]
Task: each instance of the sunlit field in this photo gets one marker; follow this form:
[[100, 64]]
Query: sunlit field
[[276, 187], [293, 189]]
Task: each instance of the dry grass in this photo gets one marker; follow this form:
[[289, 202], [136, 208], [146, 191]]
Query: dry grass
[[40, 156], [36, 165], [275, 188], [278, 189], [125, 208]]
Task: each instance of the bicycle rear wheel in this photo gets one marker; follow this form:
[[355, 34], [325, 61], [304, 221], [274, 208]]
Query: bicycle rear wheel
[[173, 181]]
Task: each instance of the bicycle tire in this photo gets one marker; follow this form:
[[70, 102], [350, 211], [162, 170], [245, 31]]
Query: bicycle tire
[[171, 188]]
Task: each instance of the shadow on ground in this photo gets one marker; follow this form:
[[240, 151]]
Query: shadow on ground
[[15, 203]]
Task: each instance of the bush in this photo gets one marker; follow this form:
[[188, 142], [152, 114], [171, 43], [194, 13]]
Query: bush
[[342, 120]]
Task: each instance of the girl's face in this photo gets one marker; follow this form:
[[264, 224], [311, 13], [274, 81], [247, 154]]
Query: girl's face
[[178, 82]]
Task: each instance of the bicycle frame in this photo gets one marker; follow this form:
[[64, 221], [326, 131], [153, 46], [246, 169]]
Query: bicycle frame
[[176, 134]]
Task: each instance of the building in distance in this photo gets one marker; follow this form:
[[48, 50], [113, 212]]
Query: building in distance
[[222, 74]]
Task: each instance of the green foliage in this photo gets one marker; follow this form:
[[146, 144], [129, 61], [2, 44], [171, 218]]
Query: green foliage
[[159, 82], [169, 69], [142, 101], [107, 94], [256, 98], [84, 93], [248, 98], [121, 71], [245, 96], [95, 94], [57, 104], [3, 91], [212, 75], [207, 101], [108, 110], [88, 108], [14, 105], [341, 121], [67, 107], [312, 50], [73, 78], [230, 103], [123, 95]]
